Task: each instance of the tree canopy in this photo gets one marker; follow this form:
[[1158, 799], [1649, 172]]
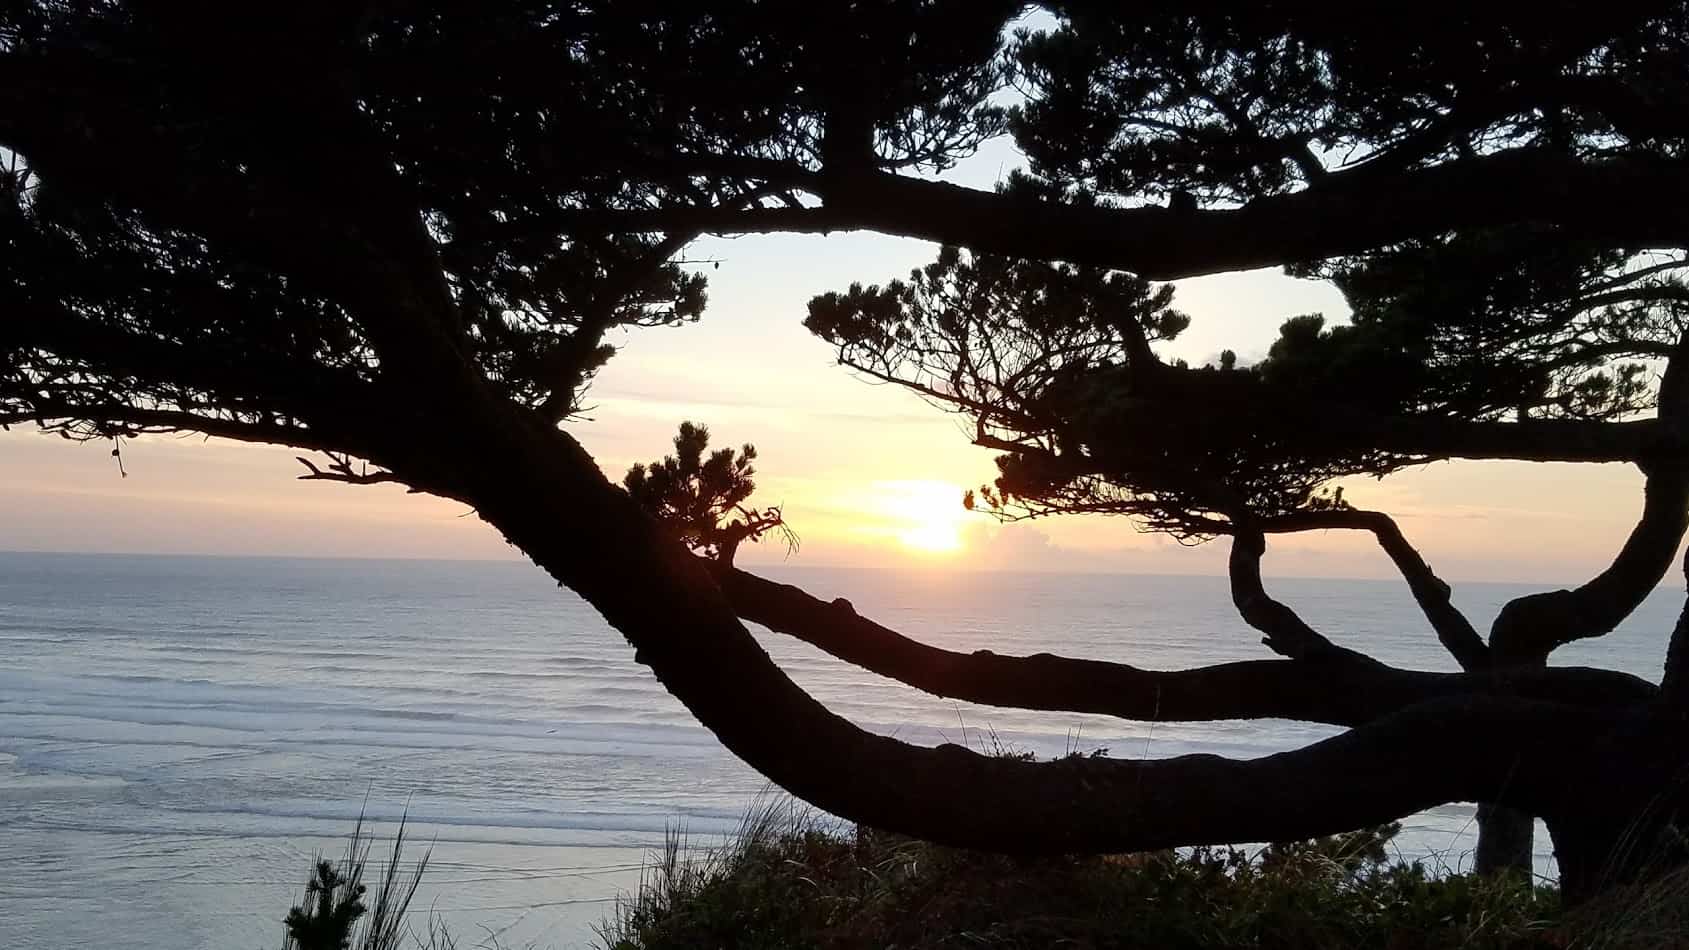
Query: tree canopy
[[406, 238], [701, 499], [1056, 365]]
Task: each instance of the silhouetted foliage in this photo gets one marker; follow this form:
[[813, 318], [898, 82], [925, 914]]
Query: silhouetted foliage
[[1057, 368], [700, 498], [792, 880], [1055, 365], [1228, 103], [1451, 331], [335, 916], [459, 132], [332, 906]]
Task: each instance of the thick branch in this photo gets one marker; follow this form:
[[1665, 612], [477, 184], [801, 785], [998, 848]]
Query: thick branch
[[1338, 693], [1616, 200], [549, 498], [1551, 440], [1286, 633], [1529, 628]]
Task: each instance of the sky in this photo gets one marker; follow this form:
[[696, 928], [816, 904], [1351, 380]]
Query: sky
[[868, 474]]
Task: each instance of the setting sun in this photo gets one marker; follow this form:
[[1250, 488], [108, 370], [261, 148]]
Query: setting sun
[[928, 514]]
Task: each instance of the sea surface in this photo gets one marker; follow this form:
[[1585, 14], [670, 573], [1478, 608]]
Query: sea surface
[[180, 735]]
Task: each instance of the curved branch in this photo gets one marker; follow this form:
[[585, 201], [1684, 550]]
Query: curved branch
[[1615, 199], [1219, 412], [1454, 631], [1545, 440], [1342, 694], [1286, 633], [1529, 628], [548, 497]]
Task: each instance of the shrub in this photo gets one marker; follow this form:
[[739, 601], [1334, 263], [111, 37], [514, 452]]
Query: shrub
[[335, 916], [790, 880]]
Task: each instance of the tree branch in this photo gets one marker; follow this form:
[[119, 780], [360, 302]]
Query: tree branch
[[342, 470], [1549, 440], [547, 496], [1454, 631], [1286, 633], [549, 499], [1349, 212], [137, 421], [1337, 693], [329, 209], [1529, 628]]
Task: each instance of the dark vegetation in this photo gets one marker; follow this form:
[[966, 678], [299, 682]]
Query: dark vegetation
[[339, 912], [790, 880], [700, 499], [404, 239]]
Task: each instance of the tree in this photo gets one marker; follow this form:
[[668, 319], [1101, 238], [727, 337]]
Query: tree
[[402, 238], [1505, 323], [691, 495]]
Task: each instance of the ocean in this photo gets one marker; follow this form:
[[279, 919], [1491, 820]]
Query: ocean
[[180, 735]]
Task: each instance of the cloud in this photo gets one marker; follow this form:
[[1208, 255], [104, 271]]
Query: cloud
[[1022, 546]]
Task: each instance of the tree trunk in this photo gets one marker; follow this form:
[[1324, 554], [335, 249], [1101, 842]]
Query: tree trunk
[[1507, 836], [1506, 839], [1632, 809]]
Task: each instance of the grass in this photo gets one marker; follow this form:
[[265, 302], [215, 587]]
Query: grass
[[1641, 917], [339, 913], [789, 880]]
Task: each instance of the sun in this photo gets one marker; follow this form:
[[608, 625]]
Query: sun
[[935, 538], [928, 515]]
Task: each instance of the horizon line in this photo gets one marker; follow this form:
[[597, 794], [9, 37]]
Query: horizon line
[[929, 567]]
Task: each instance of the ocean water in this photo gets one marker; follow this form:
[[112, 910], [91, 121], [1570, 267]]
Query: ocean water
[[179, 736]]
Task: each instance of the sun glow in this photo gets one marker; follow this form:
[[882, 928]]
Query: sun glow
[[928, 515]]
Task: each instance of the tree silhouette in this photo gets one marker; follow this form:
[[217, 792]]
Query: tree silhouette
[[406, 239], [331, 908], [692, 496], [1091, 420]]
